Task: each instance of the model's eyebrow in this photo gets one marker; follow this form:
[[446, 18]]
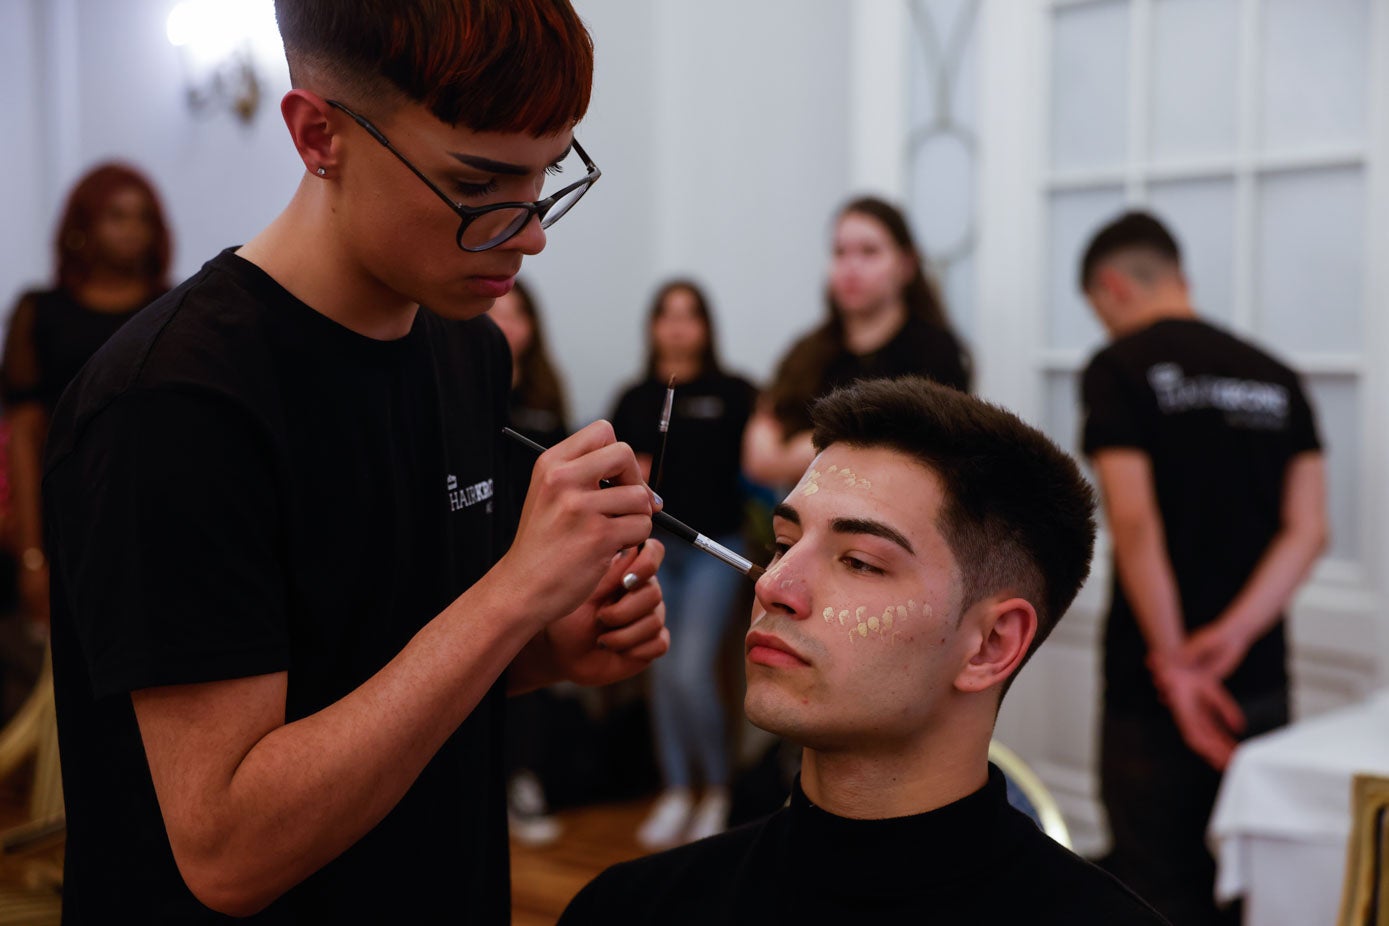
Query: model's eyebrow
[[502, 167], [787, 513], [850, 526], [875, 528]]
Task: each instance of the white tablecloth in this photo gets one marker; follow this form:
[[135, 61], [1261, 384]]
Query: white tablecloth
[[1282, 817]]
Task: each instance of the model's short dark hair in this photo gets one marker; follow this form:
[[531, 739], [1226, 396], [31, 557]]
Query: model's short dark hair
[[1017, 513], [488, 65], [1132, 231]]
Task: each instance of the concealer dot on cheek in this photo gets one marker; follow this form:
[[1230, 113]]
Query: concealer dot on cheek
[[886, 626]]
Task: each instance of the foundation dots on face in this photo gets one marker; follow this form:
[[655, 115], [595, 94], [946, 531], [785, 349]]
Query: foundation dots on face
[[860, 623], [846, 477]]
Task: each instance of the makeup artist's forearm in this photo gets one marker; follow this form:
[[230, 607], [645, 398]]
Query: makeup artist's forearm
[[249, 822]]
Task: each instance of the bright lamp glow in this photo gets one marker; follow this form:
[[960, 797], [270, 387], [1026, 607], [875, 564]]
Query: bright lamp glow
[[214, 28], [220, 41]]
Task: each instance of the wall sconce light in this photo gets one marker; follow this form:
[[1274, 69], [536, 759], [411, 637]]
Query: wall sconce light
[[219, 40]]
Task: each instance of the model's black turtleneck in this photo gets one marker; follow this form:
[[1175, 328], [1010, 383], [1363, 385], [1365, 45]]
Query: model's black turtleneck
[[976, 861]]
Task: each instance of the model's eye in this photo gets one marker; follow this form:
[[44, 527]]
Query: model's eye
[[854, 564], [774, 551]]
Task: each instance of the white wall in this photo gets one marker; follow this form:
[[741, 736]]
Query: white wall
[[721, 128], [25, 230]]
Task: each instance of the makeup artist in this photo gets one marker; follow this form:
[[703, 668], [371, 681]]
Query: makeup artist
[[289, 594], [885, 320], [698, 473]]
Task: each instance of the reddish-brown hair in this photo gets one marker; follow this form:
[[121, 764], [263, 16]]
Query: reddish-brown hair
[[75, 244], [488, 65]]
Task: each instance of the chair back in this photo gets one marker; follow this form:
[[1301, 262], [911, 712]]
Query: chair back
[[1365, 898], [1028, 793]]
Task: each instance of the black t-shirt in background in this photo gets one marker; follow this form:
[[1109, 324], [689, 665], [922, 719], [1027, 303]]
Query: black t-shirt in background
[[699, 482], [919, 348], [237, 485], [51, 337], [976, 862], [1220, 420]]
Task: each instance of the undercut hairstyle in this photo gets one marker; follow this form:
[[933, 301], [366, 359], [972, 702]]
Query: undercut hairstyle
[[1133, 234], [486, 65], [1017, 513]]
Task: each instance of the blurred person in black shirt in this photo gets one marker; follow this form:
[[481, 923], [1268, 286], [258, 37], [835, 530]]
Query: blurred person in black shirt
[[1206, 453], [885, 318], [700, 480], [113, 251]]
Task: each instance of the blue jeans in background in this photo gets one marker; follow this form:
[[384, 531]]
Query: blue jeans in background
[[687, 713]]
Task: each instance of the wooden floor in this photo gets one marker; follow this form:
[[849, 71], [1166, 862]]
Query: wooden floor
[[543, 880]]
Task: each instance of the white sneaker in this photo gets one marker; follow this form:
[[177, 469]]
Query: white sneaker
[[527, 814], [710, 815], [665, 825], [533, 831]]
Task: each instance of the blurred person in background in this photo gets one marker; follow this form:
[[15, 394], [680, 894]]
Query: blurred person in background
[[885, 319], [112, 255], [698, 478], [539, 409], [539, 406], [1205, 450]]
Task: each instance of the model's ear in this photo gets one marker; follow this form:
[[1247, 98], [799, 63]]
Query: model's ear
[[1005, 628], [309, 119]]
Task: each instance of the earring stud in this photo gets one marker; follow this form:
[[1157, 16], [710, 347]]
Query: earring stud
[[322, 171]]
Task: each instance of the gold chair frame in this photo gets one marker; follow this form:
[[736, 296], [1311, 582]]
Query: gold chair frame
[[1034, 789], [1365, 898]]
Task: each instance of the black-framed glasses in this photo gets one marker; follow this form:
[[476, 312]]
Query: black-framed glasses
[[485, 227]]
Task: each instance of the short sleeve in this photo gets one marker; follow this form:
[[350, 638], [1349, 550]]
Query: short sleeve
[[165, 534], [1113, 414], [1303, 434]]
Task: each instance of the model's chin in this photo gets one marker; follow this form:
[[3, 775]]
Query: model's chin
[[775, 710]]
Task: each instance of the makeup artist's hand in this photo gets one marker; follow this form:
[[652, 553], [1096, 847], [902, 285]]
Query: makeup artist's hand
[[618, 631], [571, 528]]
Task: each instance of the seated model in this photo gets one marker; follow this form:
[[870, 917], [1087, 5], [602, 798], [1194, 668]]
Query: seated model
[[925, 554]]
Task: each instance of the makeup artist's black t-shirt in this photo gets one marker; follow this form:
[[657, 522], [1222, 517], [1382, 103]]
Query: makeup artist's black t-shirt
[[699, 482], [977, 861], [1219, 420], [237, 485]]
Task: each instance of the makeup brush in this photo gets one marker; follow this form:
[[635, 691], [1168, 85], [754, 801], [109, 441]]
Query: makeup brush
[[677, 527], [664, 428]]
